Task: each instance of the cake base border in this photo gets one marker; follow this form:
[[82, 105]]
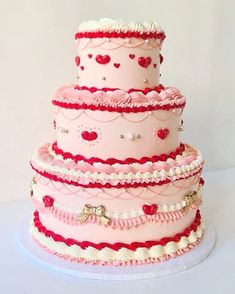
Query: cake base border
[[104, 272]]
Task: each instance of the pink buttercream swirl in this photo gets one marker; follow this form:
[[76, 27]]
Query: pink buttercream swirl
[[115, 99]]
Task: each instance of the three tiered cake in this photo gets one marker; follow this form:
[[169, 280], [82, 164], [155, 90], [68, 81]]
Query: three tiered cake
[[117, 186]]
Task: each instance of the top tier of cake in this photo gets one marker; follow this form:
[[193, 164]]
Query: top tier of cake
[[114, 54]]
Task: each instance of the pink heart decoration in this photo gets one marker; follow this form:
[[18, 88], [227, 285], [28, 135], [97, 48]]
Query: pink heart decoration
[[163, 133], [48, 201], [89, 55], [132, 56], [144, 61], [89, 136], [77, 60], [116, 65], [150, 209], [102, 59]]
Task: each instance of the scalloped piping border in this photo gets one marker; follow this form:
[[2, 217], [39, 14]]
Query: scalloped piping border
[[116, 100], [111, 161], [58, 178], [124, 194], [76, 175], [119, 245], [115, 262], [70, 105], [121, 34], [120, 252]]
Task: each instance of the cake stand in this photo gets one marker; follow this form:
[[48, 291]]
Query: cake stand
[[174, 265]]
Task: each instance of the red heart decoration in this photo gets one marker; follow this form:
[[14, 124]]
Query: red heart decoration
[[77, 60], [48, 201], [163, 133], [161, 58], [144, 61], [82, 67], [154, 65], [89, 55], [89, 136], [102, 59], [132, 56], [116, 65], [149, 209]]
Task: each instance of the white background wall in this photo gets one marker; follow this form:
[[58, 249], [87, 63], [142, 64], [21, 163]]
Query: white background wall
[[37, 50]]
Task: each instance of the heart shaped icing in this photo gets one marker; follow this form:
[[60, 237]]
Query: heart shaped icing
[[77, 60], [48, 201], [89, 136], [163, 133], [161, 58], [89, 55], [132, 56], [82, 67], [150, 209], [144, 61], [102, 59], [116, 65]]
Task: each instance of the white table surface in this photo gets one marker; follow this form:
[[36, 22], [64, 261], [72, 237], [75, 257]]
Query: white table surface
[[20, 275]]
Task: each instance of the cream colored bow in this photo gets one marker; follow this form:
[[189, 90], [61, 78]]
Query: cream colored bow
[[99, 211], [192, 198]]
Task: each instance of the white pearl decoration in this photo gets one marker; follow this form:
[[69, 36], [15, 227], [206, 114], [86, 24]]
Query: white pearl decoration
[[130, 136]]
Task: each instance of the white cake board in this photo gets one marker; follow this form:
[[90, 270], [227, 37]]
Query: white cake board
[[99, 272]]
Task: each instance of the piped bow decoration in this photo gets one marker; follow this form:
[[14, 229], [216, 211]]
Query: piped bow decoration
[[192, 198], [99, 211]]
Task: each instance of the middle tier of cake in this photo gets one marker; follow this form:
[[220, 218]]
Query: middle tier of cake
[[109, 123]]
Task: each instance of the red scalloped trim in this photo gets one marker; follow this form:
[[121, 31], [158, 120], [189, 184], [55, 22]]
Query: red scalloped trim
[[158, 89], [92, 160], [108, 185], [116, 246], [134, 109], [114, 34]]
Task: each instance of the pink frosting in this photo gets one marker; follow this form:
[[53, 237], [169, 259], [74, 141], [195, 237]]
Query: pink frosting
[[119, 98]]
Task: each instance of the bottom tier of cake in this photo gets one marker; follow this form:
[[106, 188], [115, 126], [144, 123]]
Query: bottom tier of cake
[[104, 253]]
